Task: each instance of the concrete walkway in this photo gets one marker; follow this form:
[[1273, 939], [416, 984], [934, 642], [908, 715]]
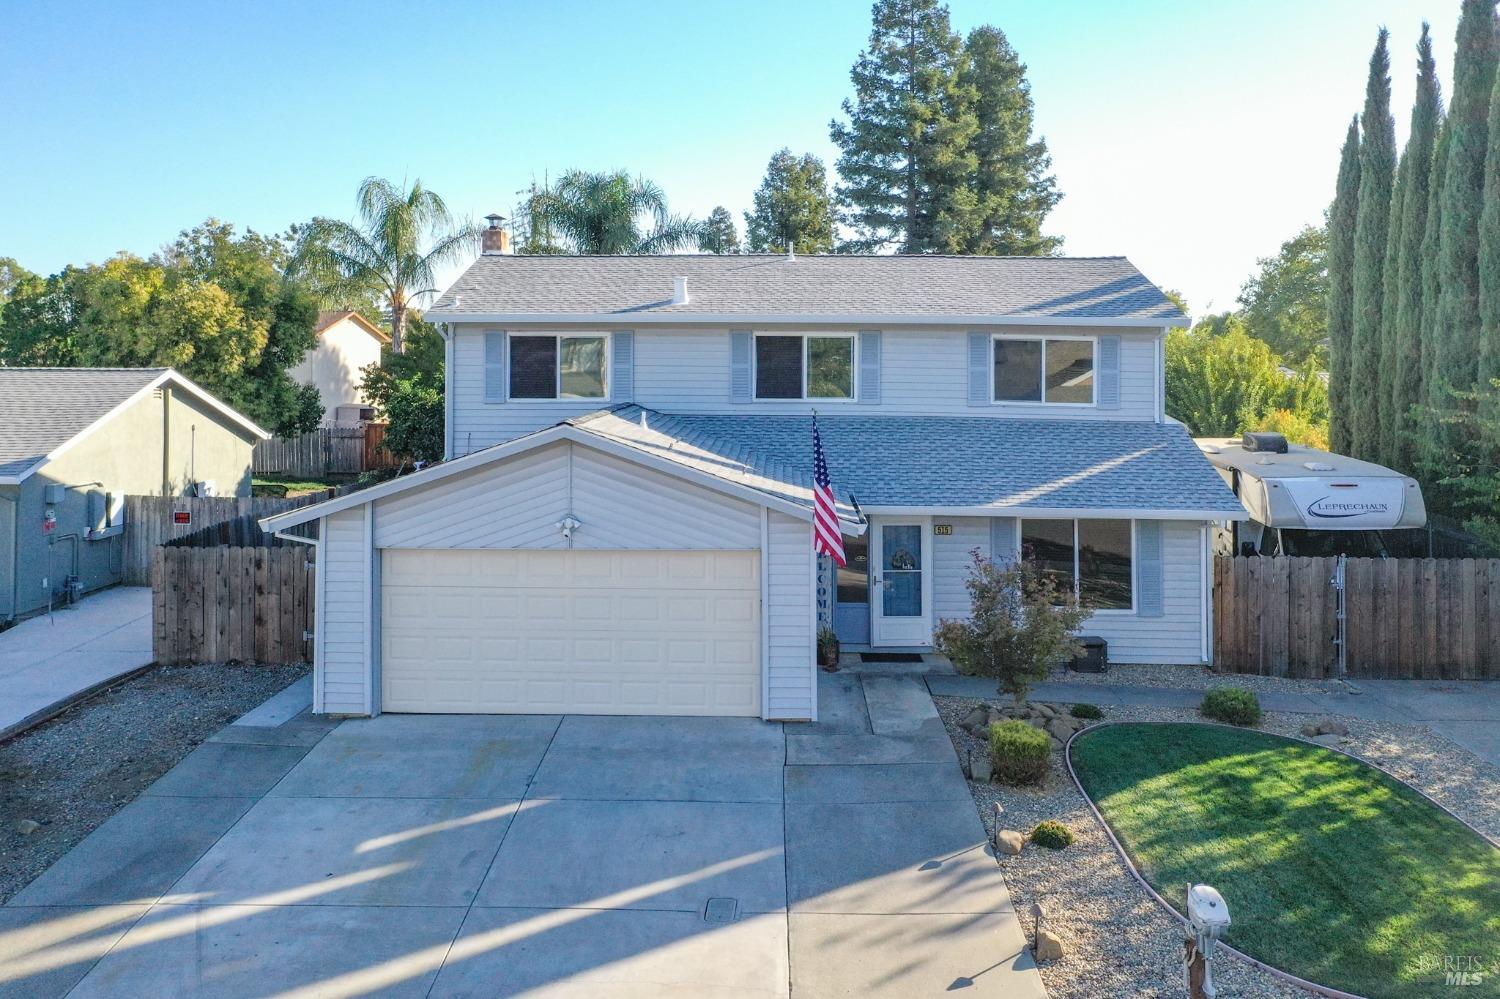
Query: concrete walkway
[[51, 659], [1467, 712], [464, 855]]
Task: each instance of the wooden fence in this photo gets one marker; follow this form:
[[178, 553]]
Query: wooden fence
[[232, 603], [150, 521], [1406, 618], [327, 451]]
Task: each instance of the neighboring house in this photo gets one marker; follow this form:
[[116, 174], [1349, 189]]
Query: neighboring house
[[74, 442], [347, 342], [624, 521]]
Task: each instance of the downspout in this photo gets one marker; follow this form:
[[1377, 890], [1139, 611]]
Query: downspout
[[446, 329], [166, 440]]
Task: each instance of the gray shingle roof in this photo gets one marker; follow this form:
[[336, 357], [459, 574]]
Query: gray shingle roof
[[43, 408], [889, 461], [1010, 288]]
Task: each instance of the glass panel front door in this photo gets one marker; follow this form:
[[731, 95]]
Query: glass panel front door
[[901, 570]]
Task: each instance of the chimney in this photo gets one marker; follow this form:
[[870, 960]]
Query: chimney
[[495, 239], [679, 291]]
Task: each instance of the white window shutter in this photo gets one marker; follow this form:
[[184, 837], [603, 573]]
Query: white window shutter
[[981, 391], [869, 366], [1149, 560], [494, 366], [741, 346], [622, 366], [1108, 372]]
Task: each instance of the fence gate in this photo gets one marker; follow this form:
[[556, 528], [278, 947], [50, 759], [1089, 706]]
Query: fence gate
[[1404, 618]]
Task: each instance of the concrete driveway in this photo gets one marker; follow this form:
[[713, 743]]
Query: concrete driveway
[[49, 660], [500, 855]]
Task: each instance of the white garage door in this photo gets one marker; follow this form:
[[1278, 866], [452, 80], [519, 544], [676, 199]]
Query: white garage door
[[588, 632]]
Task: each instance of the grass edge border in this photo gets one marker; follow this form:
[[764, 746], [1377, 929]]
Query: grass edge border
[[1323, 990]]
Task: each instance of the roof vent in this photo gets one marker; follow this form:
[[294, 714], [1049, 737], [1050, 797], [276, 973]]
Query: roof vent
[[679, 291], [1272, 443]]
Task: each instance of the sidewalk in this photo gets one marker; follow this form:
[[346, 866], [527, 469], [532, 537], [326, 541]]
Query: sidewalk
[[47, 660], [1467, 712]]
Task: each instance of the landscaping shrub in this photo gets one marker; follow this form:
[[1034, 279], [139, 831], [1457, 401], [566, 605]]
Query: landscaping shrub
[[1019, 752], [1088, 711], [1234, 705], [1052, 834]]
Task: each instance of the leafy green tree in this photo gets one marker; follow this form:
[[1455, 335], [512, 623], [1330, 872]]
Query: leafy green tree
[[1342, 218], [719, 234], [11, 275], [1377, 168], [38, 320], [1224, 383], [792, 207], [1456, 347], [605, 213], [1012, 187], [318, 274], [1403, 370], [907, 147], [1286, 302], [387, 248], [407, 390]]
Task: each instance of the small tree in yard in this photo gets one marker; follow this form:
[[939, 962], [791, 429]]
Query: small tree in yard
[[1022, 624]]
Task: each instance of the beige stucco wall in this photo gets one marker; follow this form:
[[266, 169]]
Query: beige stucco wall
[[125, 455], [333, 366]]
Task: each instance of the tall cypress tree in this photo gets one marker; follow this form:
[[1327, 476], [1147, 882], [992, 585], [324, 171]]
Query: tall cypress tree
[[1377, 170], [1456, 333], [1489, 268], [1341, 224], [1402, 371], [1429, 444], [906, 150]]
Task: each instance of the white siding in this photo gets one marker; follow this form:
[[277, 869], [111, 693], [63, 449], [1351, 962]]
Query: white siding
[[344, 564], [1176, 636], [333, 366], [790, 655], [923, 373], [518, 503], [951, 559]]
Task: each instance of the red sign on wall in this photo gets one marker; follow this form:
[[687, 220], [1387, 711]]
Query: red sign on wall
[[182, 516]]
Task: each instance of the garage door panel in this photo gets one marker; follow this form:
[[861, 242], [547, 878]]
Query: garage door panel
[[585, 631]]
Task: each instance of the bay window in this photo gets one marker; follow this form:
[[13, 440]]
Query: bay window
[[1093, 559], [1055, 370], [559, 366], [804, 366]]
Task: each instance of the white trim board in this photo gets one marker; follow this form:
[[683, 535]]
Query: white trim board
[[1054, 512], [635, 320]]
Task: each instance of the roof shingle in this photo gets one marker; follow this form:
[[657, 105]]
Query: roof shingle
[[43, 408], [640, 287]]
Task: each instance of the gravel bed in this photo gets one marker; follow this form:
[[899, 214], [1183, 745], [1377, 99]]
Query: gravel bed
[[71, 773], [1117, 940], [1197, 678]]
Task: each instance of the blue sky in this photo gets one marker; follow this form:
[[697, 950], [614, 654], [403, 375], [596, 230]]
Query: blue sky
[[1190, 136]]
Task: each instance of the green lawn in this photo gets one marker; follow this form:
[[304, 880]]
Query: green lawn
[[293, 486], [1332, 870]]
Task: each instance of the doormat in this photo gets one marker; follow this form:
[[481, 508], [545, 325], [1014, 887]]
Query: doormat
[[890, 657]]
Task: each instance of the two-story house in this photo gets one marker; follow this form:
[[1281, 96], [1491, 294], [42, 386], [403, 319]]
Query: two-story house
[[623, 523]]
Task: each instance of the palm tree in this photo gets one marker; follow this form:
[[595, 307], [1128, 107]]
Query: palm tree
[[385, 252], [605, 213]]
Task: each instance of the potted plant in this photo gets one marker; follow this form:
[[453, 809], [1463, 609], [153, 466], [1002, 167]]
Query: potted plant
[[828, 649]]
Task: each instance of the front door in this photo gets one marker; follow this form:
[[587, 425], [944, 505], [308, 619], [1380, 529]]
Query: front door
[[901, 592], [851, 592]]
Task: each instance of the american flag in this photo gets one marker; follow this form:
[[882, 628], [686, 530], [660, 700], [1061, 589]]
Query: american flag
[[827, 538]]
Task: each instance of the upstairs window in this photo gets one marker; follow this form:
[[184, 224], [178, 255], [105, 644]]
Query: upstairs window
[[811, 366], [1094, 559], [561, 366], [1055, 370]]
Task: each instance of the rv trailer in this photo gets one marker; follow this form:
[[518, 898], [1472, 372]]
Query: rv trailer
[[1303, 501]]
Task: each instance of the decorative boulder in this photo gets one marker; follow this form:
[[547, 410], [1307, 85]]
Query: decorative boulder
[[1009, 841], [1048, 945]]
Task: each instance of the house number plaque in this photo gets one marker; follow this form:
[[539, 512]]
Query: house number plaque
[[942, 529]]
